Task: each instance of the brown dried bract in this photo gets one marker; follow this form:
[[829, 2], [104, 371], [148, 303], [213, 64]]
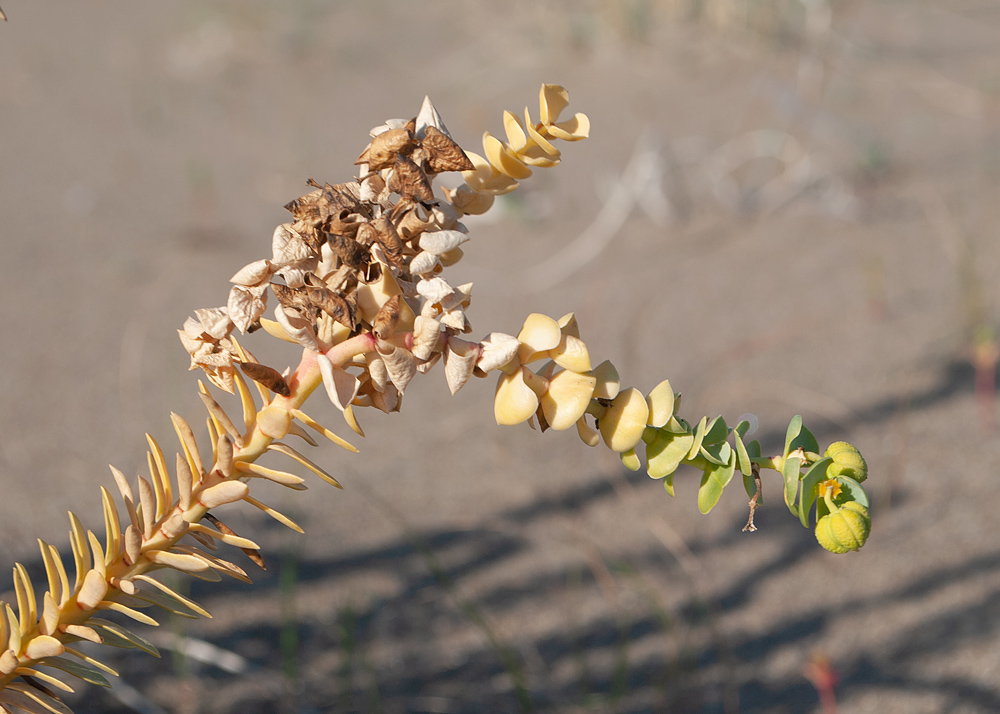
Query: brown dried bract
[[310, 234], [406, 218], [385, 234], [409, 181], [348, 250], [267, 376], [443, 154], [345, 223], [385, 147], [291, 297], [317, 207], [333, 304], [387, 318]]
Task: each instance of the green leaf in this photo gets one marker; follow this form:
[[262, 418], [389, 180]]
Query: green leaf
[[805, 441], [716, 431], [751, 488], [668, 483], [854, 491], [699, 436], [717, 454], [666, 453], [712, 483], [794, 427], [791, 474], [753, 449], [807, 495], [677, 426], [117, 636], [742, 428], [742, 457], [77, 669], [631, 460]]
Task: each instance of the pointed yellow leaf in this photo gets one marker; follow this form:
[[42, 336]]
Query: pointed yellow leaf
[[276, 515]]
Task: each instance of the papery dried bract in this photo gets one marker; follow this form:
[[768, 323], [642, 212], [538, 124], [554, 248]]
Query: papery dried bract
[[440, 242], [459, 360], [399, 363], [288, 247], [409, 180], [498, 350], [428, 117], [340, 386], [385, 147], [443, 154], [297, 327], [333, 304], [426, 333], [253, 273], [215, 321], [246, 305], [423, 262], [387, 318]]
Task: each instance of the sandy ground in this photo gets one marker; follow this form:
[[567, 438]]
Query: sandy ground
[[146, 151]]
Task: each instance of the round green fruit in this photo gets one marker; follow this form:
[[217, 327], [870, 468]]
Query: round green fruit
[[847, 461], [845, 529]]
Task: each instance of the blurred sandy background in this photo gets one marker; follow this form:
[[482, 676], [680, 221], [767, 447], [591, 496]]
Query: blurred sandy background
[[806, 223]]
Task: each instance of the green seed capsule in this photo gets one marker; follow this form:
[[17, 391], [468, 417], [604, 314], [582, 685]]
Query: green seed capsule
[[845, 529], [847, 461]]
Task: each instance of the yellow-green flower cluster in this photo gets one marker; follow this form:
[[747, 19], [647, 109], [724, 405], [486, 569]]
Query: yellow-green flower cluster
[[843, 523]]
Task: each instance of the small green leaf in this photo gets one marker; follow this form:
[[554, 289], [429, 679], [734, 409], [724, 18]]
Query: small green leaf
[[794, 427], [117, 636], [805, 441], [751, 488], [699, 436], [742, 428], [716, 431], [666, 453], [753, 449], [807, 495], [631, 460], [717, 454], [855, 491], [715, 479], [791, 474], [668, 483], [677, 426], [742, 457], [80, 671]]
